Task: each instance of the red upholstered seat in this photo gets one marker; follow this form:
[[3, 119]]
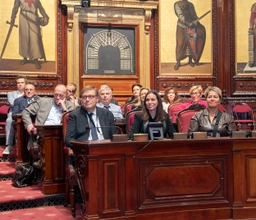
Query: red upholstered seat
[[130, 119], [71, 180], [4, 109], [173, 111], [184, 119], [243, 116], [185, 115]]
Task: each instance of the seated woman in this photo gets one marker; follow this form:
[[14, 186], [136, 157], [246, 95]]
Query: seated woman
[[135, 90], [138, 106], [211, 119], [170, 96], [152, 111], [196, 95]]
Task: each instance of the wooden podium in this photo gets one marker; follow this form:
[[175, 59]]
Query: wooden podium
[[167, 179]]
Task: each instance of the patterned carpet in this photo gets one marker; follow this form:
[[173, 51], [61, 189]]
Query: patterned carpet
[[40, 213], [28, 202]]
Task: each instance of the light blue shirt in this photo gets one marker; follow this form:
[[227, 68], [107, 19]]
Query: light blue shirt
[[115, 109], [55, 116]]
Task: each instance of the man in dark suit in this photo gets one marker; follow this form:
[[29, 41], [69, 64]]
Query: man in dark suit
[[22, 102], [89, 122]]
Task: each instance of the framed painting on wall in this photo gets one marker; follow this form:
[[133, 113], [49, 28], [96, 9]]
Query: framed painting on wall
[[185, 45], [245, 35], [28, 37]]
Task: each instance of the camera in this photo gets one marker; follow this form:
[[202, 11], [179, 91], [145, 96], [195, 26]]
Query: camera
[[86, 3]]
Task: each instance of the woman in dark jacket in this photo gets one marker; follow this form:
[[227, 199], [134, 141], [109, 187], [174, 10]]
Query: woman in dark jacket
[[152, 111]]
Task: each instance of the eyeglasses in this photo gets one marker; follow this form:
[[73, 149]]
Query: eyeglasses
[[29, 89], [58, 95], [88, 96]]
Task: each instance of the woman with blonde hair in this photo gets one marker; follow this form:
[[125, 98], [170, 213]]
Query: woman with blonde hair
[[196, 93], [211, 119]]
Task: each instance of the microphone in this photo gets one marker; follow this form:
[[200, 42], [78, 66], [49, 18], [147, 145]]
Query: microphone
[[143, 148], [236, 116], [115, 137]]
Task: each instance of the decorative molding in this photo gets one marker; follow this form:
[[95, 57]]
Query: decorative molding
[[148, 14], [147, 6], [215, 40], [232, 47], [183, 86], [156, 50]]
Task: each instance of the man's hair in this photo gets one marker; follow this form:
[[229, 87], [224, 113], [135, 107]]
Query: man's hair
[[87, 88], [72, 84], [30, 84], [21, 77], [60, 85], [105, 87]]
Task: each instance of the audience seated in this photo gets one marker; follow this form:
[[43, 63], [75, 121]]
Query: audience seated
[[170, 97], [141, 98], [48, 111], [89, 122], [196, 93], [20, 81], [22, 102], [105, 96], [211, 120], [135, 90], [152, 111]]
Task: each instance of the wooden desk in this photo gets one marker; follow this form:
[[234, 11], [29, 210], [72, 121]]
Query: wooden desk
[[169, 179], [21, 139], [51, 141], [51, 144]]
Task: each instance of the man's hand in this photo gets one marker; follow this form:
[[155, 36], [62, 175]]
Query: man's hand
[[46, 20], [72, 99], [12, 20], [31, 129], [61, 103]]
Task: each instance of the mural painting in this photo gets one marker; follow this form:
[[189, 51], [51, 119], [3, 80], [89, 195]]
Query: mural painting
[[26, 23]]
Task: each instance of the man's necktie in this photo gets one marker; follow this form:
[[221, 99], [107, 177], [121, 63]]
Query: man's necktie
[[106, 107], [92, 126]]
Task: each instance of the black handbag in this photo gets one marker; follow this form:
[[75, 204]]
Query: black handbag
[[23, 175]]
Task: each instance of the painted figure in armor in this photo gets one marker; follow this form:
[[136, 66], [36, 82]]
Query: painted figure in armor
[[190, 34], [30, 39], [252, 37]]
